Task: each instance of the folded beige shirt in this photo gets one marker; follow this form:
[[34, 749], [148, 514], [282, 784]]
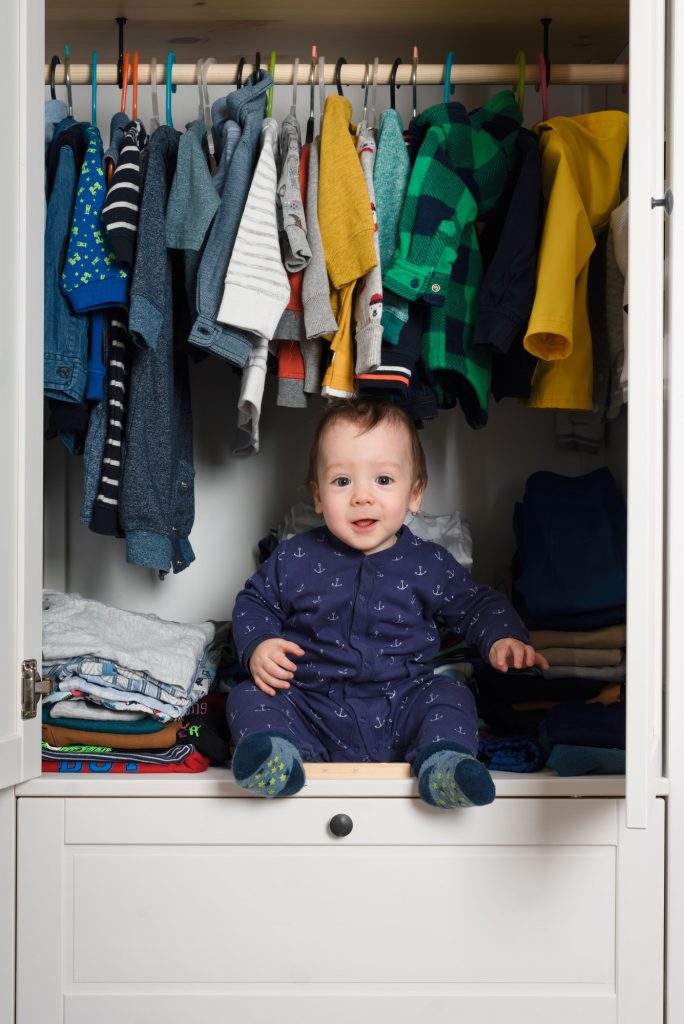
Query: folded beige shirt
[[598, 657], [609, 636]]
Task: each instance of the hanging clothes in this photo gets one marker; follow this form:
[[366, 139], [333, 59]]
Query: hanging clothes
[[391, 176], [65, 329], [256, 288], [319, 319], [347, 233], [193, 202], [122, 203], [247, 107], [291, 215], [459, 176], [368, 298], [156, 507], [92, 278], [581, 166]]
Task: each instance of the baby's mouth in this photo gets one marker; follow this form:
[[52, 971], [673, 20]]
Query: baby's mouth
[[363, 524]]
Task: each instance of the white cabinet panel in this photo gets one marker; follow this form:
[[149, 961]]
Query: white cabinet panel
[[159, 909], [349, 916]]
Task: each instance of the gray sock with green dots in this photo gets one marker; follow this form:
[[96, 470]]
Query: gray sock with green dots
[[269, 764], [451, 778]]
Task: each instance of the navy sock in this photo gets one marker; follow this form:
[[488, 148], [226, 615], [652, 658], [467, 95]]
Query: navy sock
[[268, 764], [449, 778]]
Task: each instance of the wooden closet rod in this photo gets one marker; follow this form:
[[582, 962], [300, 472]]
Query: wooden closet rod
[[353, 74]]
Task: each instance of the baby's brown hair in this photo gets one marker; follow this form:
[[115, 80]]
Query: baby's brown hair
[[367, 413]]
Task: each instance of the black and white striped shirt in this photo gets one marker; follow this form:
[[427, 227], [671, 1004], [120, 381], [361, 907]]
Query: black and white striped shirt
[[122, 205], [105, 517]]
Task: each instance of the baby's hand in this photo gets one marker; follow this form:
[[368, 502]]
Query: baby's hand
[[269, 665], [511, 653]]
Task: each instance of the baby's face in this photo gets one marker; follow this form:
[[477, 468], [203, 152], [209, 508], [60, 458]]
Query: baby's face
[[366, 484]]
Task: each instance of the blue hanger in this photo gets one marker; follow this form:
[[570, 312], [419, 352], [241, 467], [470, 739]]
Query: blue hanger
[[93, 87], [448, 87], [170, 87]]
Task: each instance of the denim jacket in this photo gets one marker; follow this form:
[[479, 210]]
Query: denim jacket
[[66, 332], [247, 107], [156, 504]]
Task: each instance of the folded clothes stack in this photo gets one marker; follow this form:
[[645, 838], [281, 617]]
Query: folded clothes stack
[[122, 684]]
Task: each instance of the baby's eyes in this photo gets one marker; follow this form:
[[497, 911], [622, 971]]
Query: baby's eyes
[[341, 481], [384, 480]]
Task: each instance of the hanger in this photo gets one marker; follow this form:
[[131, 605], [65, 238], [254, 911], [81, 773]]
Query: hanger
[[448, 87], [272, 70], [543, 86], [204, 112], [170, 87], [365, 94], [295, 76], [393, 81], [321, 84], [257, 67], [238, 73], [521, 61], [125, 78], [414, 81], [154, 120], [93, 87], [67, 79], [53, 67], [312, 93], [338, 73], [134, 105], [374, 91]]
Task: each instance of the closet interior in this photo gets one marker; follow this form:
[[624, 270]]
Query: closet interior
[[478, 474]]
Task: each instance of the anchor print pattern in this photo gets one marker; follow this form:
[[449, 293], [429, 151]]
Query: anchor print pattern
[[367, 624]]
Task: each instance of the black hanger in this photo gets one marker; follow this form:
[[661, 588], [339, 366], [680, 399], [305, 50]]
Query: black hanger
[[338, 73], [258, 73], [53, 64], [393, 80], [545, 23], [238, 73]]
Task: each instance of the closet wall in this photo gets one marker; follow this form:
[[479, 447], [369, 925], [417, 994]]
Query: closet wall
[[479, 473]]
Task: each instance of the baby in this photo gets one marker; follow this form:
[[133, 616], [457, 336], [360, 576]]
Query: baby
[[337, 629]]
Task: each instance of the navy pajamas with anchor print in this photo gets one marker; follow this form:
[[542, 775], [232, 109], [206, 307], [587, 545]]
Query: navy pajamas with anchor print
[[365, 689]]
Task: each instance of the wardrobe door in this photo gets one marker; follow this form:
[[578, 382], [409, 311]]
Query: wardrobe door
[[645, 408], [675, 516]]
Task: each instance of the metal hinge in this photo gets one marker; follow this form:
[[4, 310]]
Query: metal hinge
[[32, 688]]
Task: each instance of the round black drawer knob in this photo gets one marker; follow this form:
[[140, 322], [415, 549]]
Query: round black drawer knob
[[341, 825]]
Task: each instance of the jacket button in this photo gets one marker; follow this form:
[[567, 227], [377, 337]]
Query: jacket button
[[436, 288], [63, 371], [415, 282], [184, 485]]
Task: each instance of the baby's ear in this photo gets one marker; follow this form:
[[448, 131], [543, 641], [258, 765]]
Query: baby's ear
[[315, 493], [416, 496]]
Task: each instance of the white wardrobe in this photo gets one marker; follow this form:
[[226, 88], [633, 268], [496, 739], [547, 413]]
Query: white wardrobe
[[168, 898]]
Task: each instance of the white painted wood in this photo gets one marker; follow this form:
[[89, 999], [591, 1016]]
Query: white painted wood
[[674, 736], [7, 903], [640, 919], [295, 822], [340, 1005], [42, 893], [21, 214], [107, 911], [645, 422], [218, 782]]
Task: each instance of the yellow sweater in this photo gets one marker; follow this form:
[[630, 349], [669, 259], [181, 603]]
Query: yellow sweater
[[344, 211], [581, 166]]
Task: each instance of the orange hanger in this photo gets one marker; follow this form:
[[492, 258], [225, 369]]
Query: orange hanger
[[134, 111]]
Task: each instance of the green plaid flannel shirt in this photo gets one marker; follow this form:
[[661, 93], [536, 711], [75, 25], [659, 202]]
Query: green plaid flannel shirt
[[459, 175]]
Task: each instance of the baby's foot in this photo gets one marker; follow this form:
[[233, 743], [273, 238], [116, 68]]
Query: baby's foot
[[268, 764], [450, 778]]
